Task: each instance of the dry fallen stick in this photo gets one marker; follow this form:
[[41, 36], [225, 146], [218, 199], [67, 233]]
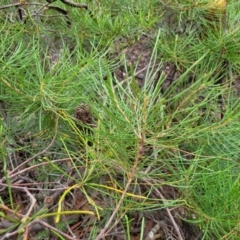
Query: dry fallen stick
[[11, 174], [25, 217], [33, 202], [27, 169], [40, 224], [45, 225], [72, 4], [22, 12], [168, 211], [152, 234]]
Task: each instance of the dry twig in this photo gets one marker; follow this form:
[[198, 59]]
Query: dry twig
[[168, 211], [11, 174], [45, 225], [33, 202]]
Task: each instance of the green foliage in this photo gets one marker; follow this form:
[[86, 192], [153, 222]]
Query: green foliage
[[188, 135]]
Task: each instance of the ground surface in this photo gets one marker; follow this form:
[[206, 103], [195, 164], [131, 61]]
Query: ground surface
[[121, 123]]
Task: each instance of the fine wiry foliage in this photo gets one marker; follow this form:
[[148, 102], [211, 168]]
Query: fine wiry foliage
[[120, 121]]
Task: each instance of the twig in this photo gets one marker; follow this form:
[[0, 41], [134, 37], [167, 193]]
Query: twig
[[8, 210], [21, 4], [151, 234], [10, 5], [72, 4], [41, 222], [19, 185], [35, 156], [44, 6], [68, 227], [48, 203], [63, 12], [31, 158], [26, 232], [33, 202], [29, 168], [102, 232], [9, 235], [25, 217], [168, 212], [11, 174]]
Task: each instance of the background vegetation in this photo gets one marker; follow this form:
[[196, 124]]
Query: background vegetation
[[87, 156]]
